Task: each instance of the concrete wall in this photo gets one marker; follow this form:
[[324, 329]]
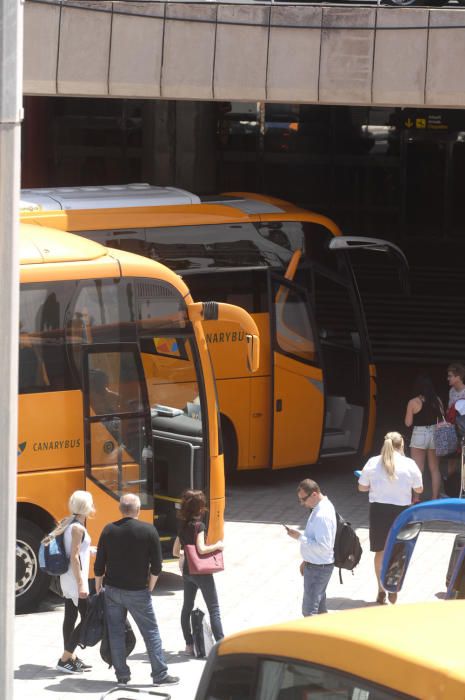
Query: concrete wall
[[286, 53]]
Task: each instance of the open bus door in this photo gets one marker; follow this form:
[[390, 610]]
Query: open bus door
[[117, 431], [298, 396]]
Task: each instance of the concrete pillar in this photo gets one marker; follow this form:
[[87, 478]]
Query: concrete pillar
[[159, 165], [180, 144], [196, 146]]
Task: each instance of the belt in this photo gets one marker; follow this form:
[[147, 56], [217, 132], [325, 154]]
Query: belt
[[309, 563]]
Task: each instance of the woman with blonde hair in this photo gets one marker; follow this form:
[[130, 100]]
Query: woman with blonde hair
[[192, 531], [75, 582], [389, 479]]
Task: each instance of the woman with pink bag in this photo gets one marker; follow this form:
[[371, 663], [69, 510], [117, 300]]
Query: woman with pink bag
[[192, 532]]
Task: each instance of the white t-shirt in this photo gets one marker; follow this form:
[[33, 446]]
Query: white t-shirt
[[68, 581], [455, 395], [397, 491]]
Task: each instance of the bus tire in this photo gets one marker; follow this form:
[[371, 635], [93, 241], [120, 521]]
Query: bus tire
[[229, 446], [31, 583]]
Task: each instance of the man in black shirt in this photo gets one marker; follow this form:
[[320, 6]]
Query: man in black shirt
[[129, 555]]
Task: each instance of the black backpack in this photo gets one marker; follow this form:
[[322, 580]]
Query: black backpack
[[347, 547], [129, 639], [91, 631]]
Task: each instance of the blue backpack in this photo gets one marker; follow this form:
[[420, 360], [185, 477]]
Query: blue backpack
[[53, 559]]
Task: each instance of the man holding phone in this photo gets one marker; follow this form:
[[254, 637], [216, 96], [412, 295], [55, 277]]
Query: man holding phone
[[316, 546]]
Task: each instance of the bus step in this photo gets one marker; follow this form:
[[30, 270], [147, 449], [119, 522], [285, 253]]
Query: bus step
[[341, 452]]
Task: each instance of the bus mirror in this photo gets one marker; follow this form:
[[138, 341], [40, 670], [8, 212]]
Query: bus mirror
[[409, 532], [216, 311], [396, 567], [253, 352]]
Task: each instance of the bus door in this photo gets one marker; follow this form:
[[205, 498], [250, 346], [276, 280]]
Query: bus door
[[298, 396], [117, 431], [350, 375], [345, 361]]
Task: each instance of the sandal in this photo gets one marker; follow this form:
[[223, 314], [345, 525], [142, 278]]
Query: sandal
[[381, 599]]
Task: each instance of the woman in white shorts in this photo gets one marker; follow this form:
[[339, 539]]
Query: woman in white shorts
[[423, 412]]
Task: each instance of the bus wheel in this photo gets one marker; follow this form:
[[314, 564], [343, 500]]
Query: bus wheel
[[31, 583], [229, 447]]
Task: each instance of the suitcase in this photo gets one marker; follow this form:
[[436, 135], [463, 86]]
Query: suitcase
[[201, 633], [459, 544]]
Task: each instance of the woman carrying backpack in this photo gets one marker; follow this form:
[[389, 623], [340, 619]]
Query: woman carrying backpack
[[75, 582], [389, 479], [192, 531]]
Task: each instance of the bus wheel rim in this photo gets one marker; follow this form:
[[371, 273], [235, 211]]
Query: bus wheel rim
[[26, 567]]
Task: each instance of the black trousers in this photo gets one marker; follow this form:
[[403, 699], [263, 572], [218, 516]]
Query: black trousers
[[206, 584], [70, 629]]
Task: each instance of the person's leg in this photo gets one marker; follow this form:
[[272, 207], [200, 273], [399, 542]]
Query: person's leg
[[210, 596], [139, 604], [433, 464], [452, 465], [190, 591], [116, 612], [322, 608], [316, 579], [378, 564], [69, 620], [74, 636], [418, 455]]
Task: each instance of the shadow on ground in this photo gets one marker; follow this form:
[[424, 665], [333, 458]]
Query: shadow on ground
[[270, 496], [348, 603]]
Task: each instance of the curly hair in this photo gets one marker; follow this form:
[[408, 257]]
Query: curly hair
[[193, 504]]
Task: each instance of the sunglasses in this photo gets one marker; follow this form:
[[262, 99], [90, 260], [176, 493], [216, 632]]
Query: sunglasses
[[302, 500]]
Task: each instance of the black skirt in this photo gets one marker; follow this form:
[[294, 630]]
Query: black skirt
[[382, 515]]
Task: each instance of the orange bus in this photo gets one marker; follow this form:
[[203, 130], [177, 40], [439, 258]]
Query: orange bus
[[315, 393], [116, 391]]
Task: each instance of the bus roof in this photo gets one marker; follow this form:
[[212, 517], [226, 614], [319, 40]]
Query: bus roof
[[107, 207], [103, 197], [416, 649], [40, 244]]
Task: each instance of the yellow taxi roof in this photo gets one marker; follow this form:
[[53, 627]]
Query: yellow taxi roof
[[415, 649], [40, 244]]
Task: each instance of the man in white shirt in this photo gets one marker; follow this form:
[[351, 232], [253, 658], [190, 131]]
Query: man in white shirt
[[316, 546]]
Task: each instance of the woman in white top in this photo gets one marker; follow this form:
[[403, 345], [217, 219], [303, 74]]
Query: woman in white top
[[389, 478], [75, 582]]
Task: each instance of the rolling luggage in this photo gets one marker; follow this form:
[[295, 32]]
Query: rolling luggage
[[202, 634]]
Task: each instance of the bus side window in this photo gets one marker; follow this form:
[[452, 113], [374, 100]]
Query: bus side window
[[43, 361]]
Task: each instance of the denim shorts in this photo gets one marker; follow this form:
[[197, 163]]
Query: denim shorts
[[423, 437]]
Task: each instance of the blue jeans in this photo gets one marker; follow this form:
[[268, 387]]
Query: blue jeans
[[316, 579], [206, 584], [139, 603]]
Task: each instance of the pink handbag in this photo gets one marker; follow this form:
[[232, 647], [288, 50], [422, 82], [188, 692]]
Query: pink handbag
[[197, 563]]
